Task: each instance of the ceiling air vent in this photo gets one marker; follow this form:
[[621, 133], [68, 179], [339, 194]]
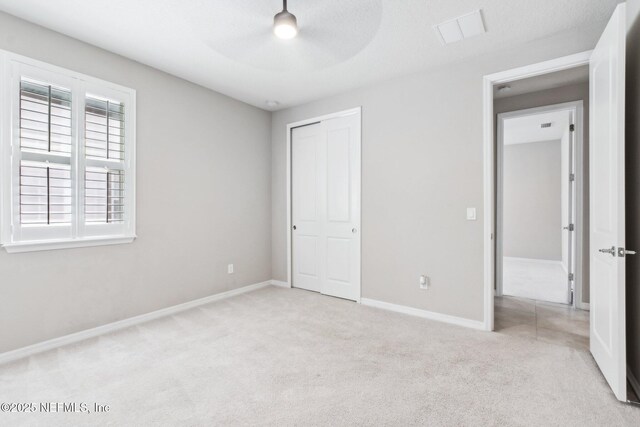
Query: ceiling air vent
[[462, 27], [545, 125]]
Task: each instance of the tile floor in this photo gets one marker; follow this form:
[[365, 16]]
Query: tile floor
[[535, 279], [552, 323]]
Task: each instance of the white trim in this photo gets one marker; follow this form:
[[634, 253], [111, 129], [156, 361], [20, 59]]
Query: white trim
[[431, 315], [65, 71], [583, 306], [280, 283], [535, 260], [488, 180], [540, 68], [545, 67], [343, 113], [13, 236], [566, 271], [577, 109], [635, 385], [30, 350], [290, 126], [47, 245]]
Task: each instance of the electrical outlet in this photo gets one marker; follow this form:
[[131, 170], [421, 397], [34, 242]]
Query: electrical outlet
[[230, 269], [424, 282]]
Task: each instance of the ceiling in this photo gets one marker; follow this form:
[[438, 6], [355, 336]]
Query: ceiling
[[228, 46], [544, 82], [526, 129]]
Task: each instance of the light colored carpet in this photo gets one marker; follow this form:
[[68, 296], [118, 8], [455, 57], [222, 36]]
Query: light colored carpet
[[289, 357], [542, 281]]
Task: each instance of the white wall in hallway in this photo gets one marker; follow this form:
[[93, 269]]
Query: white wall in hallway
[[532, 203]]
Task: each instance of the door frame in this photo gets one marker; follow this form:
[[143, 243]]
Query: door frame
[[312, 120], [577, 155], [489, 163]]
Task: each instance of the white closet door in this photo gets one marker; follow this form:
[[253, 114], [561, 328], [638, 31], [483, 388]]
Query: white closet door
[[307, 206], [342, 224], [326, 207]]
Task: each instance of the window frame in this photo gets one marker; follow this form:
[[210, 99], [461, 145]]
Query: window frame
[[14, 236]]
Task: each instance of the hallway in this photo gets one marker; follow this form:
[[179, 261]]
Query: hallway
[[552, 323]]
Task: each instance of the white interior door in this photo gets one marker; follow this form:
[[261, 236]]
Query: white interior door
[[325, 173], [606, 159]]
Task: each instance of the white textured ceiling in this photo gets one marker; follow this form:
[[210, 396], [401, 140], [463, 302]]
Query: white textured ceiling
[[526, 129], [227, 45]]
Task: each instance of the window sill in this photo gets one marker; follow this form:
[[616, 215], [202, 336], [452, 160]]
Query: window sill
[[46, 245]]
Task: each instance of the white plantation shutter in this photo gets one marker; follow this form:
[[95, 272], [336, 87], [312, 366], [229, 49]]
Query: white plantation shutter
[[104, 129], [45, 118], [104, 195], [105, 200], [68, 159], [45, 193], [45, 134]]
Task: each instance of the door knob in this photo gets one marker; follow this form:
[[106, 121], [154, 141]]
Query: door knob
[[622, 252], [611, 251], [354, 230], [294, 227]]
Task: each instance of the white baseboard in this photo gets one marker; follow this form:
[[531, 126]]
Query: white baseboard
[[535, 260], [280, 283], [121, 324], [583, 305], [635, 385], [460, 321]]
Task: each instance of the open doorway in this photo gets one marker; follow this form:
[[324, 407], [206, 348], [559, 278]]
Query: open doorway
[[541, 195], [606, 243], [539, 221]]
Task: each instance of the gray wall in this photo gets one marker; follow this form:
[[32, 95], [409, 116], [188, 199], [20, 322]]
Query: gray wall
[[633, 186], [532, 201], [203, 200], [577, 92], [422, 162]]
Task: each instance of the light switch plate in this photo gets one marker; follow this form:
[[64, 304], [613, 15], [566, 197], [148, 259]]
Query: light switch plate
[[424, 282], [471, 214]]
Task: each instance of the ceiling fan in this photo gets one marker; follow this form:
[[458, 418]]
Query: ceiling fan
[[285, 24], [267, 35]]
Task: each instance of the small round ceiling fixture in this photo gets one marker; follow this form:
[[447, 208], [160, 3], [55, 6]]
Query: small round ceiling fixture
[[272, 104], [285, 24]]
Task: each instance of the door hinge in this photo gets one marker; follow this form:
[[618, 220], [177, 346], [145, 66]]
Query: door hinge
[[572, 127], [572, 177], [571, 276]]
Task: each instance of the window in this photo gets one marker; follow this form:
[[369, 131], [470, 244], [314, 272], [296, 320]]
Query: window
[[67, 153]]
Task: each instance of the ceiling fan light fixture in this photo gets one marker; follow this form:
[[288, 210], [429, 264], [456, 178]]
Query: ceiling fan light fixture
[[285, 24]]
